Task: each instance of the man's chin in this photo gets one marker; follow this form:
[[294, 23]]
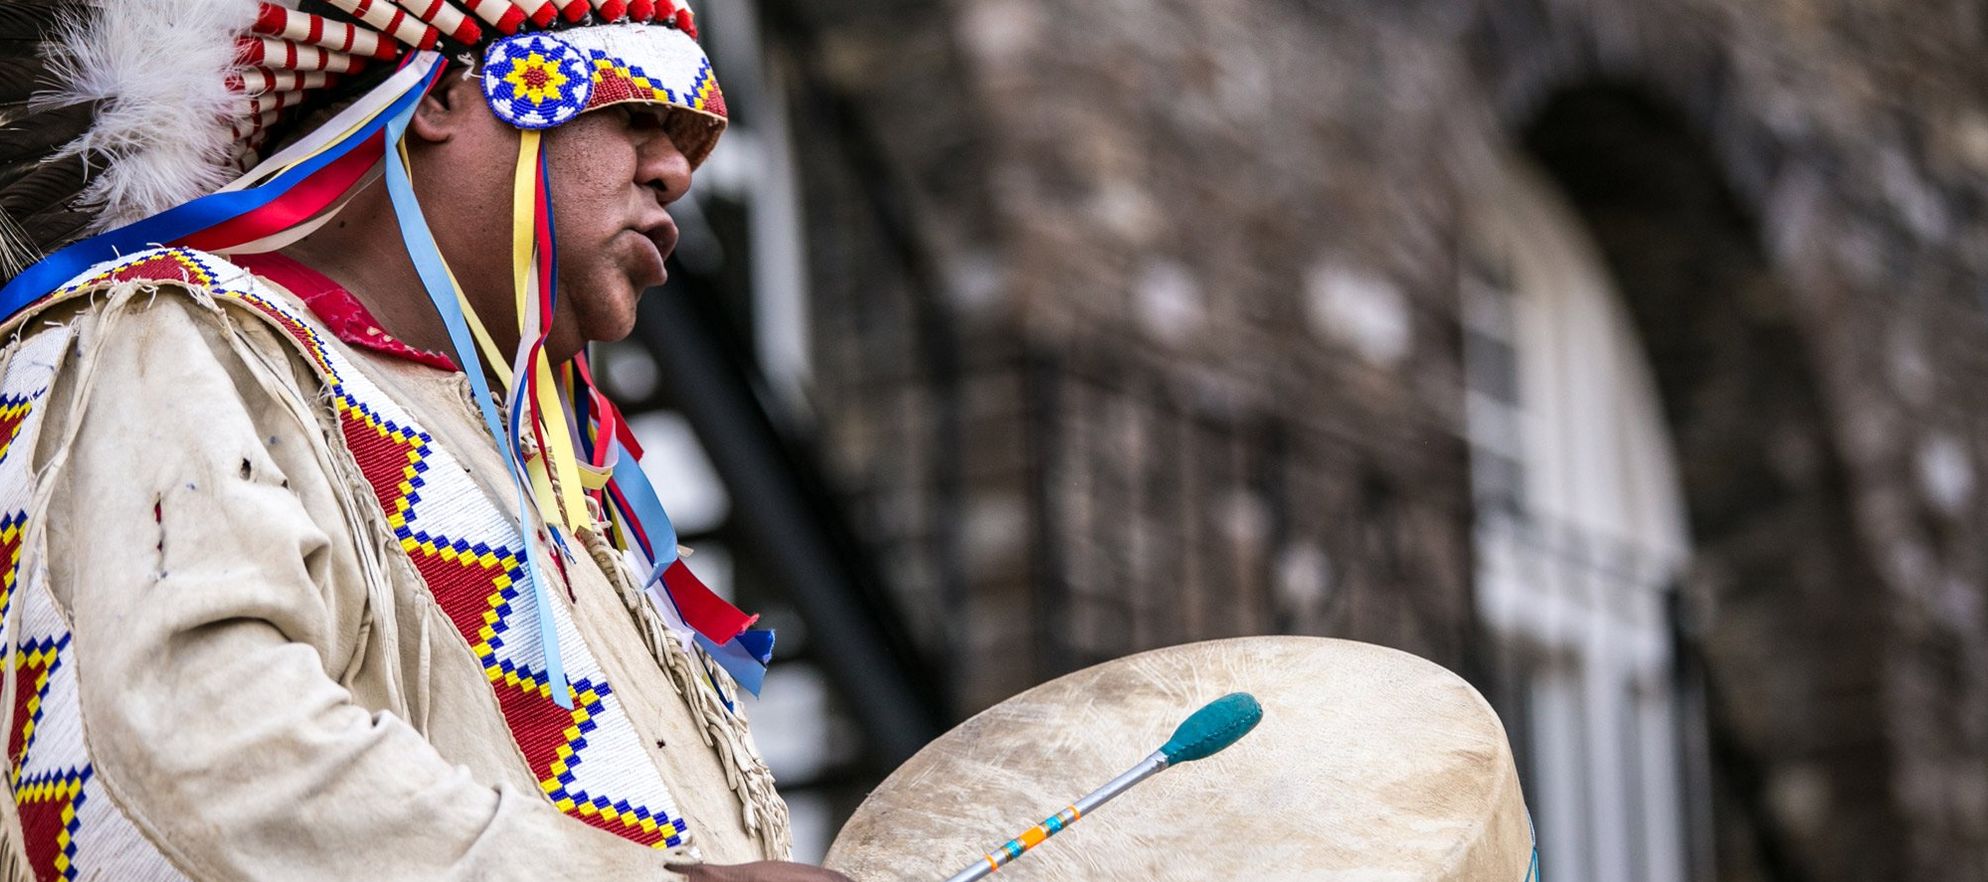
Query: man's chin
[[611, 318]]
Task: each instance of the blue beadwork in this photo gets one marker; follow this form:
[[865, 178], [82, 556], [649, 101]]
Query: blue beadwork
[[536, 81]]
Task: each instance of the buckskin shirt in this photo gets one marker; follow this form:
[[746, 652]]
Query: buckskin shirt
[[261, 622]]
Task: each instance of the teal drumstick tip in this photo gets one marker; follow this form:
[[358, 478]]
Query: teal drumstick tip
[[1213, 728]]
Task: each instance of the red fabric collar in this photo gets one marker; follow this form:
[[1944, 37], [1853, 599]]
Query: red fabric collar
[[342, 313]]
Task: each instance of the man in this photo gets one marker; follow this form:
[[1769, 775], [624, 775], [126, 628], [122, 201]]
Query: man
[[289, 592]]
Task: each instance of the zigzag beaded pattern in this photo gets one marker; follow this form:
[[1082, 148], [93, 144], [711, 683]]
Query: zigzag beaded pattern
[[588, 761], [616, 81], [69, 829], [469, 554]]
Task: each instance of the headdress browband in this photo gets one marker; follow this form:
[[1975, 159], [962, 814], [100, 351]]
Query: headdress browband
[[292, 53]]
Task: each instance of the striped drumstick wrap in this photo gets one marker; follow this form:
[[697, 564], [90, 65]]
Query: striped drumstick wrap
[[262, 81], [611, 10], [445, 18], [385, 17], [316, 30], [286, 55], [574, 10], [503, 15], [1032, 837], [1020, 845], [1207, 731]]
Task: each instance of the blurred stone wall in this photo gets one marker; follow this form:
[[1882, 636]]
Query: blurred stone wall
[[1136, 322]]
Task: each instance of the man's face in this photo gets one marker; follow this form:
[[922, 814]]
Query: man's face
[[614, 172]]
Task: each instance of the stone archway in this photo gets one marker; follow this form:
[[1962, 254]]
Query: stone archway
[[1787, 603]]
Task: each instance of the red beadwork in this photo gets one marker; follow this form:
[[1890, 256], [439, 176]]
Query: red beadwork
[[42, 819], [26, 672], [342, 314], [388, 458]]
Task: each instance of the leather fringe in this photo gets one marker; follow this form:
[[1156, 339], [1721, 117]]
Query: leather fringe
[[13, 864], [724, 730]]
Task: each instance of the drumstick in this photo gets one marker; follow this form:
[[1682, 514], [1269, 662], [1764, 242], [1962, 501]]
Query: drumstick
[[1215, 726]]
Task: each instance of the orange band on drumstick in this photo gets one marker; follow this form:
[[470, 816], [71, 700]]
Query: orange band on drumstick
[[1208, 731]]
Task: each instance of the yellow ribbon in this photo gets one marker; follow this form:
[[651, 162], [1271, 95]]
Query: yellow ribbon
[[556, 452]]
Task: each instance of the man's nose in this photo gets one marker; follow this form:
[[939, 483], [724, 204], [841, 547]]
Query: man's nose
[[662, 166]]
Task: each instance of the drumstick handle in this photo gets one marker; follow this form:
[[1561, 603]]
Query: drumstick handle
[[1053, 825]]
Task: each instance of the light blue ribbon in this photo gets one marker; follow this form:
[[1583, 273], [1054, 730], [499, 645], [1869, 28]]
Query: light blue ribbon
[[429, 264]]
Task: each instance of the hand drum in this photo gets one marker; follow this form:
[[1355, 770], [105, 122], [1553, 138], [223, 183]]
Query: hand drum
[[1369, 763]]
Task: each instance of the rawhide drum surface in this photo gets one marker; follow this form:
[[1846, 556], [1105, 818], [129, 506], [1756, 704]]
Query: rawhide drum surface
[[1370, 764]]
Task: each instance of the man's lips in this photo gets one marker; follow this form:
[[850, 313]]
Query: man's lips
[[662, 232], [662, 235]]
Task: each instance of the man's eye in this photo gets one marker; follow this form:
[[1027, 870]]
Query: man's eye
[[643, 119]]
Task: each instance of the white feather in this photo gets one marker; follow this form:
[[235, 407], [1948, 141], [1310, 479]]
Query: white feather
[[165, 129]]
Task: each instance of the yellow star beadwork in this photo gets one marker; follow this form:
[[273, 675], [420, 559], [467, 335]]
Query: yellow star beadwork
[[537, 79]]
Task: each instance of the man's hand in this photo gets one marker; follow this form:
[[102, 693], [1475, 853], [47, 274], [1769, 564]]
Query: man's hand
[[763, 871]]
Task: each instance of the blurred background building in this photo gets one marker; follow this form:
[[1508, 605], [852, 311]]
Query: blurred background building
[[1624, 355]]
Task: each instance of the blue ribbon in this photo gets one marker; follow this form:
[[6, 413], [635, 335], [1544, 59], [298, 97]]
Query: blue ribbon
[[646, 510], [182, 221], [749, 672], [428, 263], [757, 643], [746, 656]]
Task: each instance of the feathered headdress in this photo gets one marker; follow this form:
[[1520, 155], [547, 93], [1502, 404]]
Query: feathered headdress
[[126, 124], [117, 110]]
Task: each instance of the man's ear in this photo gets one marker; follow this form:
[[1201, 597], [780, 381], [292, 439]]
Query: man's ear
[[442, 114]]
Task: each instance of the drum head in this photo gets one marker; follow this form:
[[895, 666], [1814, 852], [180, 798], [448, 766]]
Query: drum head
[[1369, 764]]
